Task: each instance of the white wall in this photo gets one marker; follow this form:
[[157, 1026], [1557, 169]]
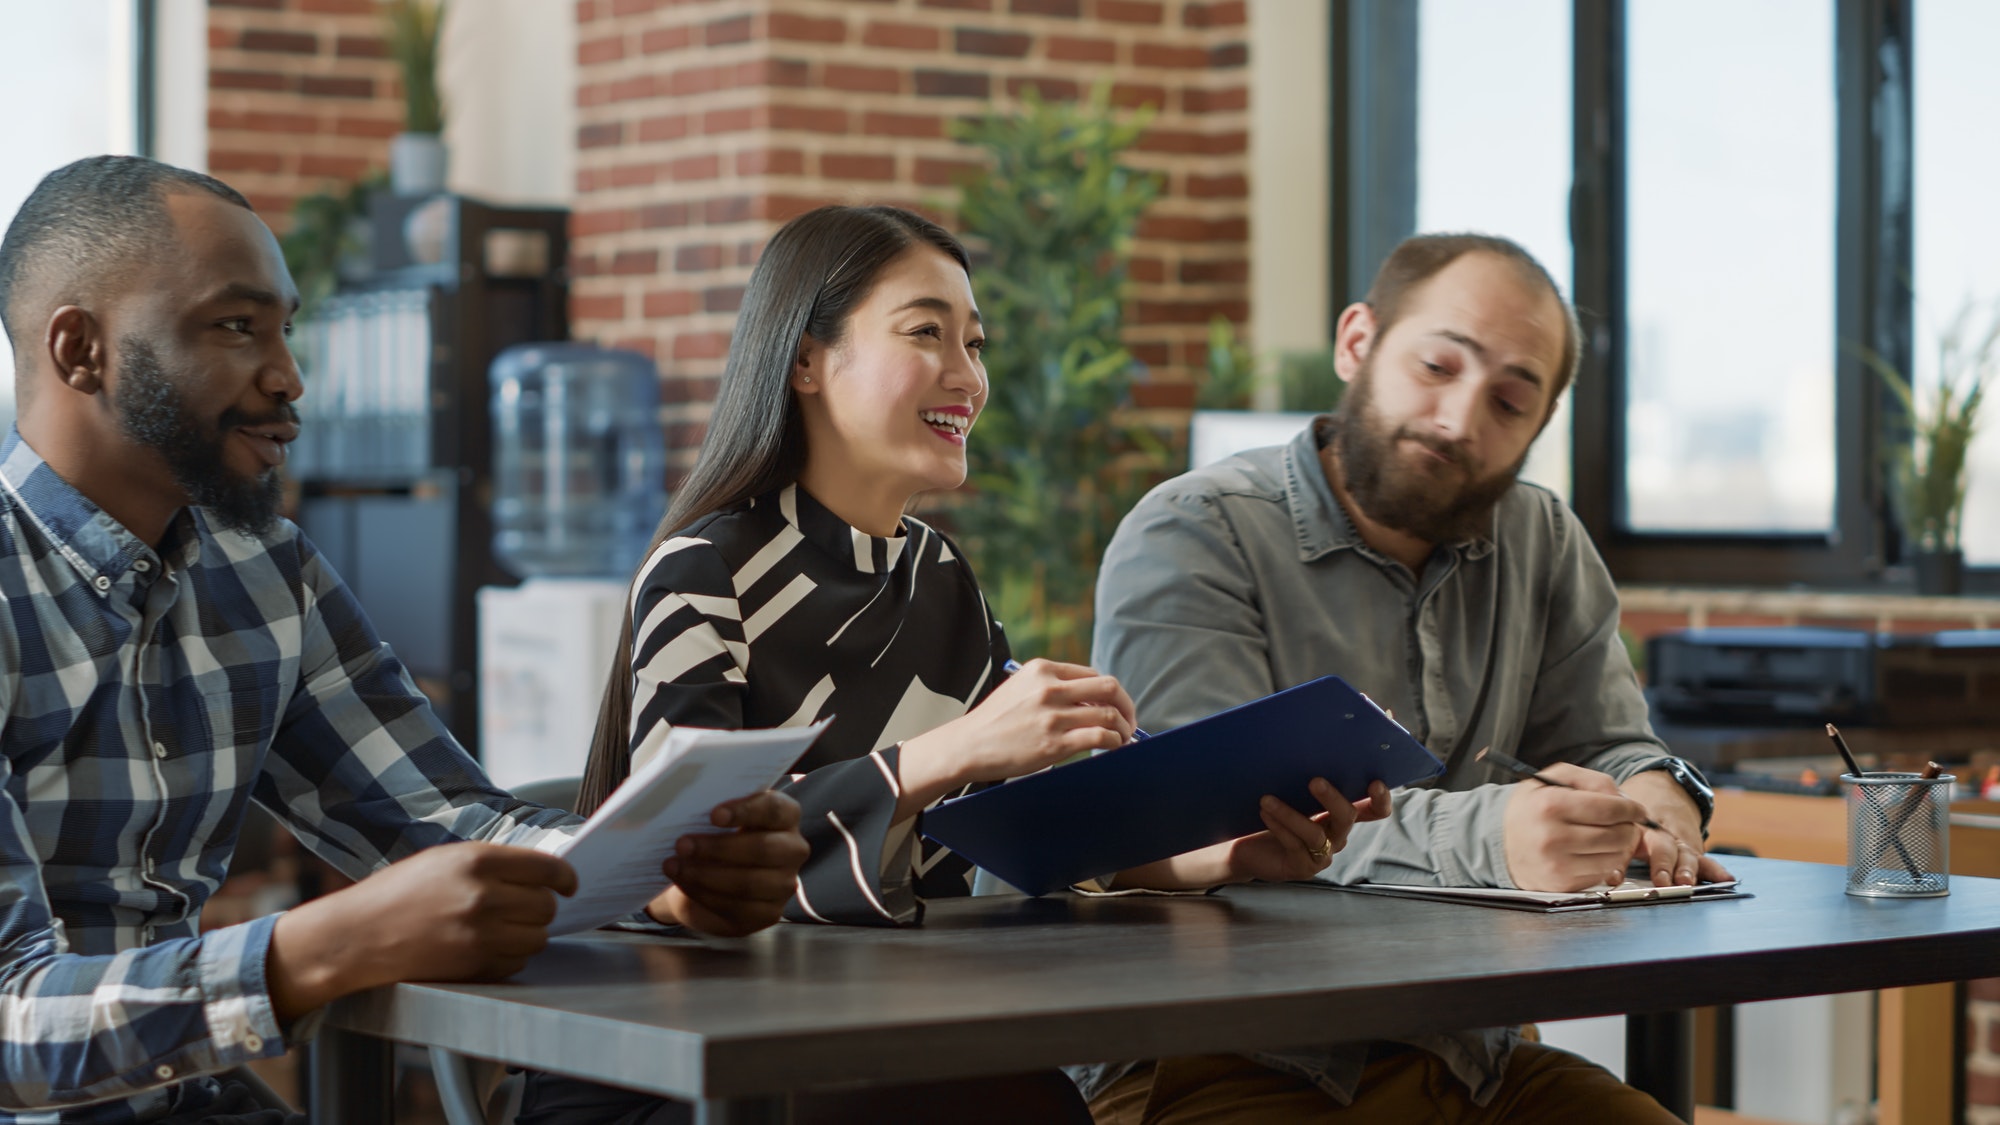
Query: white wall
[[1289, 178], [507, 74], [180, 100]]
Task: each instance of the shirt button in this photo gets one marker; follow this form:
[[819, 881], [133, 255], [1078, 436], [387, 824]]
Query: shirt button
[[163, 1072], [102, 582], [142, 566], [159, 749], [254, 1044]]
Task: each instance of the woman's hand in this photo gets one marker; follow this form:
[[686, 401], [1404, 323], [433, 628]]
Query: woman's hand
[[1043, 714], [1292, 845]]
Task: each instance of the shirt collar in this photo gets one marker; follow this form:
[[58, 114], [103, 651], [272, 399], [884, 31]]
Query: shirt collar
[[96, 545], [869, 554], [1320, 521]]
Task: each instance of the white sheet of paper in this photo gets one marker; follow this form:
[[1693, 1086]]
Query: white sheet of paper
[[1631, 890], [618, 851]]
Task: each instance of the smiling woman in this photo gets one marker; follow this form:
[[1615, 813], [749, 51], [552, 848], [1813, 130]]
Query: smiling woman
[[787, 585]]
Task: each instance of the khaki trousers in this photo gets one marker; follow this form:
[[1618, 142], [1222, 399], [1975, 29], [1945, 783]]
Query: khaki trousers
[[1541, 1085]]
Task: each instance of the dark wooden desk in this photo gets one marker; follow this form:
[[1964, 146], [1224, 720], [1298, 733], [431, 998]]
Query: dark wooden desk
[[1916, 1028], [1002, 984]]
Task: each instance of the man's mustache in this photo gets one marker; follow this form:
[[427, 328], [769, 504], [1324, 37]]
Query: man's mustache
[[233, 418], [1452, 451]]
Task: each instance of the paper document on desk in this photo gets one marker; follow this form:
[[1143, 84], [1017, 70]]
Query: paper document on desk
[[1632, 892], [618, 851]]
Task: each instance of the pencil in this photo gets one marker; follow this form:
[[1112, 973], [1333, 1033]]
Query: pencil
[[1846, 755], [1526, 772], [1915, 801]]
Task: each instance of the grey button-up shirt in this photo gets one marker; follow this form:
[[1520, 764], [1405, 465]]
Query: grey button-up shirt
[[1247, 577]]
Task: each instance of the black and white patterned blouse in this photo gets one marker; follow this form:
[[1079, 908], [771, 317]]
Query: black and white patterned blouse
[[778, 614]]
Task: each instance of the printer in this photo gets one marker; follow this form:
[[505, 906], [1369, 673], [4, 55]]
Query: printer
[[1790, 674]]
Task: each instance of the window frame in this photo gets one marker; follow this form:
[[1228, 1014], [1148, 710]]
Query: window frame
[[145, 77], [1872, 310], [1373, 205]]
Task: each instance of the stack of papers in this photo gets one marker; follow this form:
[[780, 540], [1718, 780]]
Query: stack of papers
[[618, 851]]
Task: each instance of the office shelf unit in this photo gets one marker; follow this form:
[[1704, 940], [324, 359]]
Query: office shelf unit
[[395, 464]]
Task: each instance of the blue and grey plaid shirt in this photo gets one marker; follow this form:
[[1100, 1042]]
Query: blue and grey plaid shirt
[[144, 698]]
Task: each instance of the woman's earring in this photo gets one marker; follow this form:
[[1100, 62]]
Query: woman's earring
[[807, 379]]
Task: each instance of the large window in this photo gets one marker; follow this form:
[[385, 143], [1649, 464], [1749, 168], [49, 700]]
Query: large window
[[1957, 242], [67, 74], [1742, 221], [1493, 146], [1755, 215], [1728, 267]]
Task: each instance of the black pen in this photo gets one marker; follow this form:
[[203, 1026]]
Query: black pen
[[1012, 666], [1526, 772], [1846, 755]]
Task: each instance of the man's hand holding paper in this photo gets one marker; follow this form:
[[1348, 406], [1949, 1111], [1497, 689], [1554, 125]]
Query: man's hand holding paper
[[736, 882], [733, 860]]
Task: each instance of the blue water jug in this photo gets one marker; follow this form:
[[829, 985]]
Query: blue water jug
[[579, 462]]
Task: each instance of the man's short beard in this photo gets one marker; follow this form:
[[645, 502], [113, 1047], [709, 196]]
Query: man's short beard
[[151, 411], [1401, 498]]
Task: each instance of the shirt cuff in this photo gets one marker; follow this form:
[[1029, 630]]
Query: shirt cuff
[[1470, 838], [236, 992]]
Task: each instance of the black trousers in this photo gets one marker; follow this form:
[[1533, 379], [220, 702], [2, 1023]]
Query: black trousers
[[232, 1099]]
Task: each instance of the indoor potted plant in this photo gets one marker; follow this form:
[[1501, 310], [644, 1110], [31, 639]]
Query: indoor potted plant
[[417, 156], [1927, 471], [1056, 462]]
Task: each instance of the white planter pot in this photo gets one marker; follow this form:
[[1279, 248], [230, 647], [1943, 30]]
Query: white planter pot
[[417, 163]]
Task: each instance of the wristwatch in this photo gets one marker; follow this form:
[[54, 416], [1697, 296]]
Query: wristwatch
[[1690, 779]]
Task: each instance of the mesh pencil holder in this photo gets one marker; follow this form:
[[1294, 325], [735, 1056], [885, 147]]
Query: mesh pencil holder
[[1898, 840]]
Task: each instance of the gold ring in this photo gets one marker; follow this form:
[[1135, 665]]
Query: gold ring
[[1323, 852]]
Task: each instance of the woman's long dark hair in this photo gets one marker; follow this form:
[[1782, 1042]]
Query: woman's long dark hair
[[813, 273]]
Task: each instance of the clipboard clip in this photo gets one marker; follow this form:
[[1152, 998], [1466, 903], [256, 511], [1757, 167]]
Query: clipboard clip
[[1644, 894]]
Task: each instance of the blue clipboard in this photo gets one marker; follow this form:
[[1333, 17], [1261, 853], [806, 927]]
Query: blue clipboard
[[1184, 789]]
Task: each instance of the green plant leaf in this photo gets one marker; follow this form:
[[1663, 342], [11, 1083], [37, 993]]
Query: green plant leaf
[[411, 28], [1053, 468], [1927, 468]]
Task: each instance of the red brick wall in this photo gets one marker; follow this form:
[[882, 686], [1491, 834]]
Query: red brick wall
[[703, 125], [301, 97]]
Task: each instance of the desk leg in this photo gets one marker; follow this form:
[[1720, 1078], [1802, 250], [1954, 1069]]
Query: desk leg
[[1659, 1059], [352, 1078], [744, 1111], [1915, 1048]]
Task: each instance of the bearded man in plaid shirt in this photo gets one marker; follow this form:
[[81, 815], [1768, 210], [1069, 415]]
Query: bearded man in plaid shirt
[[170, 649]]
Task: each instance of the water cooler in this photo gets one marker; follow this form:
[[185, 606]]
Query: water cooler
[[579, 466]]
